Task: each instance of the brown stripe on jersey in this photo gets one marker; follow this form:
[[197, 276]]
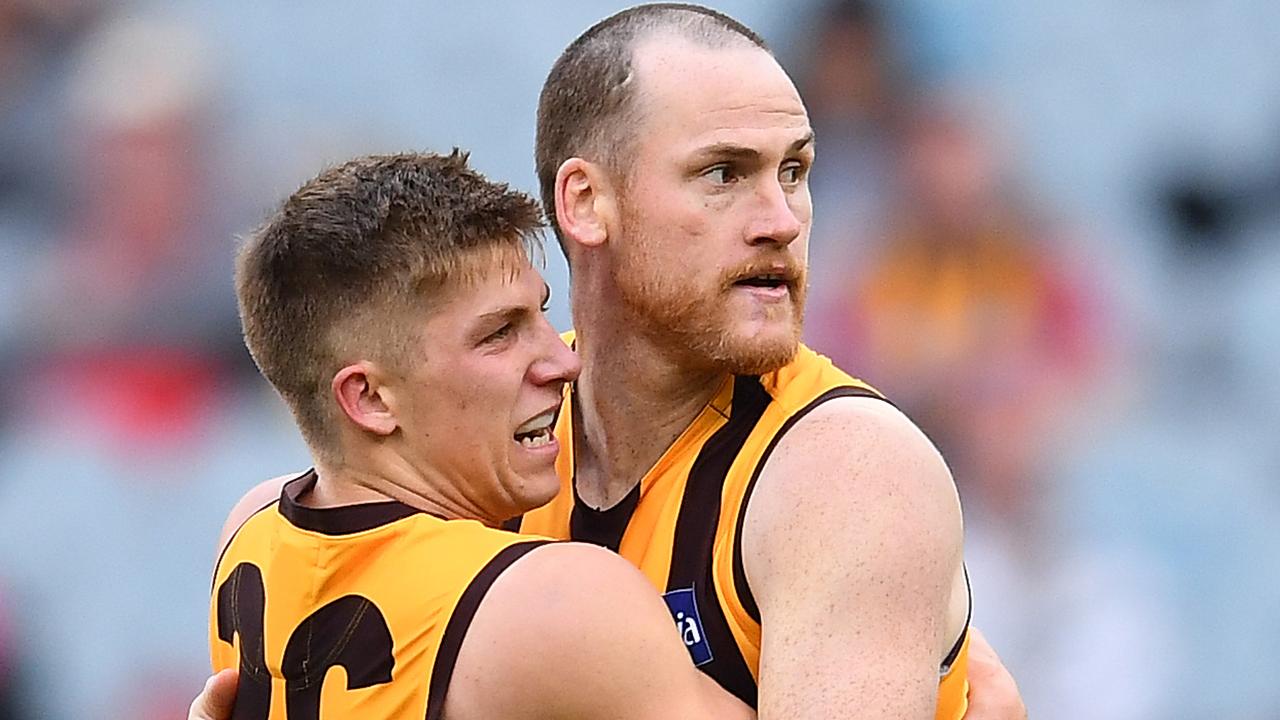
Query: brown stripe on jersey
[[740, 585], [343, 520], [602, 527], [460, 620], [695, 534]]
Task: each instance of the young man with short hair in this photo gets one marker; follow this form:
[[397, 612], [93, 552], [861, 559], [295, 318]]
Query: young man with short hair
[[392, 304]]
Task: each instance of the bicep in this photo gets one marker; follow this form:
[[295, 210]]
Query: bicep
[[851, 546], [578, 633]]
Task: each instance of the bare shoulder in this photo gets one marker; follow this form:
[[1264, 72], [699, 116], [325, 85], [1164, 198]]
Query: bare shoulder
[[251, 502], [560, 575], [864, 447], [555, 597], [560, 635], [853, 458], [856, 426]]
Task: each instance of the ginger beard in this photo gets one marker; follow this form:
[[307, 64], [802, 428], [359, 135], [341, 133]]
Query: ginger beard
[[708, 321]]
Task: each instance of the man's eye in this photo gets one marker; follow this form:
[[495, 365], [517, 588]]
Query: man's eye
[[499, 334], [792, 174], [721, 174]]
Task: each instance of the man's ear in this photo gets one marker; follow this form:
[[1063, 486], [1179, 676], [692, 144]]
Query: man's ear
[[364, 399], [585, 202]]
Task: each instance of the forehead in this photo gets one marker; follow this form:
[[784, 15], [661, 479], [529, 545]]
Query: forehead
[[690, 96], [500, 279]]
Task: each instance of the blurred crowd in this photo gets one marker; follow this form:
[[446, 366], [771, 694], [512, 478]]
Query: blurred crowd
[[1068, 273]]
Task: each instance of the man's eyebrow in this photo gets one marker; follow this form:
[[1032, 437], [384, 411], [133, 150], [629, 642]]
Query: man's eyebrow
[[507, 312], [733, 151], [727, 151], [800, 144]]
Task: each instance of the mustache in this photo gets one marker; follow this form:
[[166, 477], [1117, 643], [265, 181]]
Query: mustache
[[789, 269]]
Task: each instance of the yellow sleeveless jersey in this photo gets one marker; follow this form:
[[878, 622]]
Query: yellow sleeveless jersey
[[359, 610], [682, 524]]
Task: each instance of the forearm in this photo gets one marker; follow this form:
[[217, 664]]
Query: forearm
[[993, 693]]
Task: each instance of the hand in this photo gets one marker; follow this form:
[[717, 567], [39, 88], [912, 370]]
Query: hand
[[217, 698], [993, 693]]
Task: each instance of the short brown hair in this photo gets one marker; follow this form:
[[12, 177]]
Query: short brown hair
[[335, 269], [586, 108]]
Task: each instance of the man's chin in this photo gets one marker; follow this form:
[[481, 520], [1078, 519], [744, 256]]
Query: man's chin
[[540, 487], [760, 352]]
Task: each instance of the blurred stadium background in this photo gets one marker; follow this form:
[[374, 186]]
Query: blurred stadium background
[[1051, 231]]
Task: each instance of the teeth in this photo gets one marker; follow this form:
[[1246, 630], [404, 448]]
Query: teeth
[[542, 422], [538, 439]]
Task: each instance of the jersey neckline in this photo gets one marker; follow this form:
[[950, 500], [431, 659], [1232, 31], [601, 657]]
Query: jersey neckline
[[341, 520]]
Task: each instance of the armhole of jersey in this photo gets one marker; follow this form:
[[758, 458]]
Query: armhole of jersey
[[460, 620], [964, 633], [231, 538], [513, 524], [740, 585]]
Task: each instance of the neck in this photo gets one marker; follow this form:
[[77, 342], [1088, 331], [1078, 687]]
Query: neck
[[634, 400], [384, 475]]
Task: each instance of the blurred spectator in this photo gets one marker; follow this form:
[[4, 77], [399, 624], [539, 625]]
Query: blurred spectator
[[973, 319], [1211, 465], [144, 234], [36, 38], [854, 87], [965, 284], [136, 435]]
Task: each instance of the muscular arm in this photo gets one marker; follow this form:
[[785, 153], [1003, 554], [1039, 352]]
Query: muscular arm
[[852, 547], [573, 631]]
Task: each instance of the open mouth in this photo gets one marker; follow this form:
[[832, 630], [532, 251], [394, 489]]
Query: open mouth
[[537, 432], [537, 438], [769, 281]]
